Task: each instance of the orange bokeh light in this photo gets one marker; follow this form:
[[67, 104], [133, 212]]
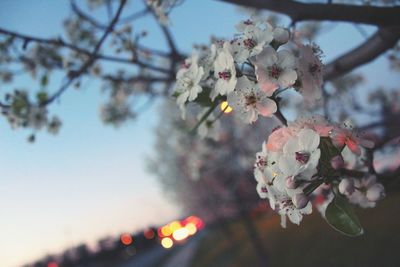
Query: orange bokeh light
[[126, 239], [166, 230], [52, 264], [175, 225]]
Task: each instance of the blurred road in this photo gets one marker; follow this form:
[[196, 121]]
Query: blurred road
[[183, 257], [179, 256], [147, 259]]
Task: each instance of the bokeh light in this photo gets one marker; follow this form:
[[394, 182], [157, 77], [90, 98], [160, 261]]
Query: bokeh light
[[225, 107], [191, 228], [126, 239], [167, 242], [166, 230], [180, 234], [148, 234], [52, 264], [175, 225]]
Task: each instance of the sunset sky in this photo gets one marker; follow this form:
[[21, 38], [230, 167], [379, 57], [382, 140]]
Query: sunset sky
[[90, 180]]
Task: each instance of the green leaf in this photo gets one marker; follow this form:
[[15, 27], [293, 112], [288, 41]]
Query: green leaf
[[340, 215], [328, 151]]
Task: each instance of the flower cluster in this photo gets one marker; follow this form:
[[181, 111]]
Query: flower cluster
[[307, 154], [23, 112], [249, 71], [308, 160]]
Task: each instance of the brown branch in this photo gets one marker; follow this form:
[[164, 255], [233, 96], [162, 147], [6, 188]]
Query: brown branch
[[297, 11], [91, 59], [61, 43], [383, 40], [86, 17]]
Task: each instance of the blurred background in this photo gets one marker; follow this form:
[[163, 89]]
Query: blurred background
[[132, 188]]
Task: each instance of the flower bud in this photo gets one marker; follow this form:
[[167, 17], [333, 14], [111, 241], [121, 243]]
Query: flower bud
[[300, 200], [281, 35], [337, 162], [376, 192], [346, 186], [290, 183]]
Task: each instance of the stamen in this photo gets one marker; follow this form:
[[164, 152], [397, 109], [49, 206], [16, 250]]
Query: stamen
[[302, 157], [249, 43], [226, 75], [274, 71]]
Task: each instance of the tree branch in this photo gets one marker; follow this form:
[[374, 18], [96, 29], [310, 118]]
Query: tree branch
[[91, 59], [380, 16], [383, 40], [62, 43]]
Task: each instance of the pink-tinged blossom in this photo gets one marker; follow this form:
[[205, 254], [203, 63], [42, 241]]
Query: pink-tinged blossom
[[275, 69], [346, 186], [249, 101], [251, 43], [315, 122], [341, 137], [301, 154], [367, 192], [309, 69], [279, 138]]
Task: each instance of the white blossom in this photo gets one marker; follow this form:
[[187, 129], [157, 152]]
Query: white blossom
[[275, 69], [281, 35], [187, 83], [249, 101], [310, 75], [251, 43], [301, 154], [224, 71]]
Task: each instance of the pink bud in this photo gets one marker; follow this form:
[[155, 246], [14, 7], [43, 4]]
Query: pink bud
[[290, 183], [346, 186], [337, 162], [300, 200], [376, 192]]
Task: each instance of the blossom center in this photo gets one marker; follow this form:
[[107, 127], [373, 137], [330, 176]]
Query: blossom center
[[249, 43], [225, 75], [187, 82], [314, 68], [251, 100], [261, 162], [274, 71], [302, 157], [264, 189], [248, 22]]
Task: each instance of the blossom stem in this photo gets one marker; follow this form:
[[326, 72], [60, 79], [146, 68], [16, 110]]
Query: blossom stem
[[220, 114], [204, 117], [353, 173], [278, 114]]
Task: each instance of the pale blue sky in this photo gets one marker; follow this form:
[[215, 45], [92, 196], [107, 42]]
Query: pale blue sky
[[90, 180]]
